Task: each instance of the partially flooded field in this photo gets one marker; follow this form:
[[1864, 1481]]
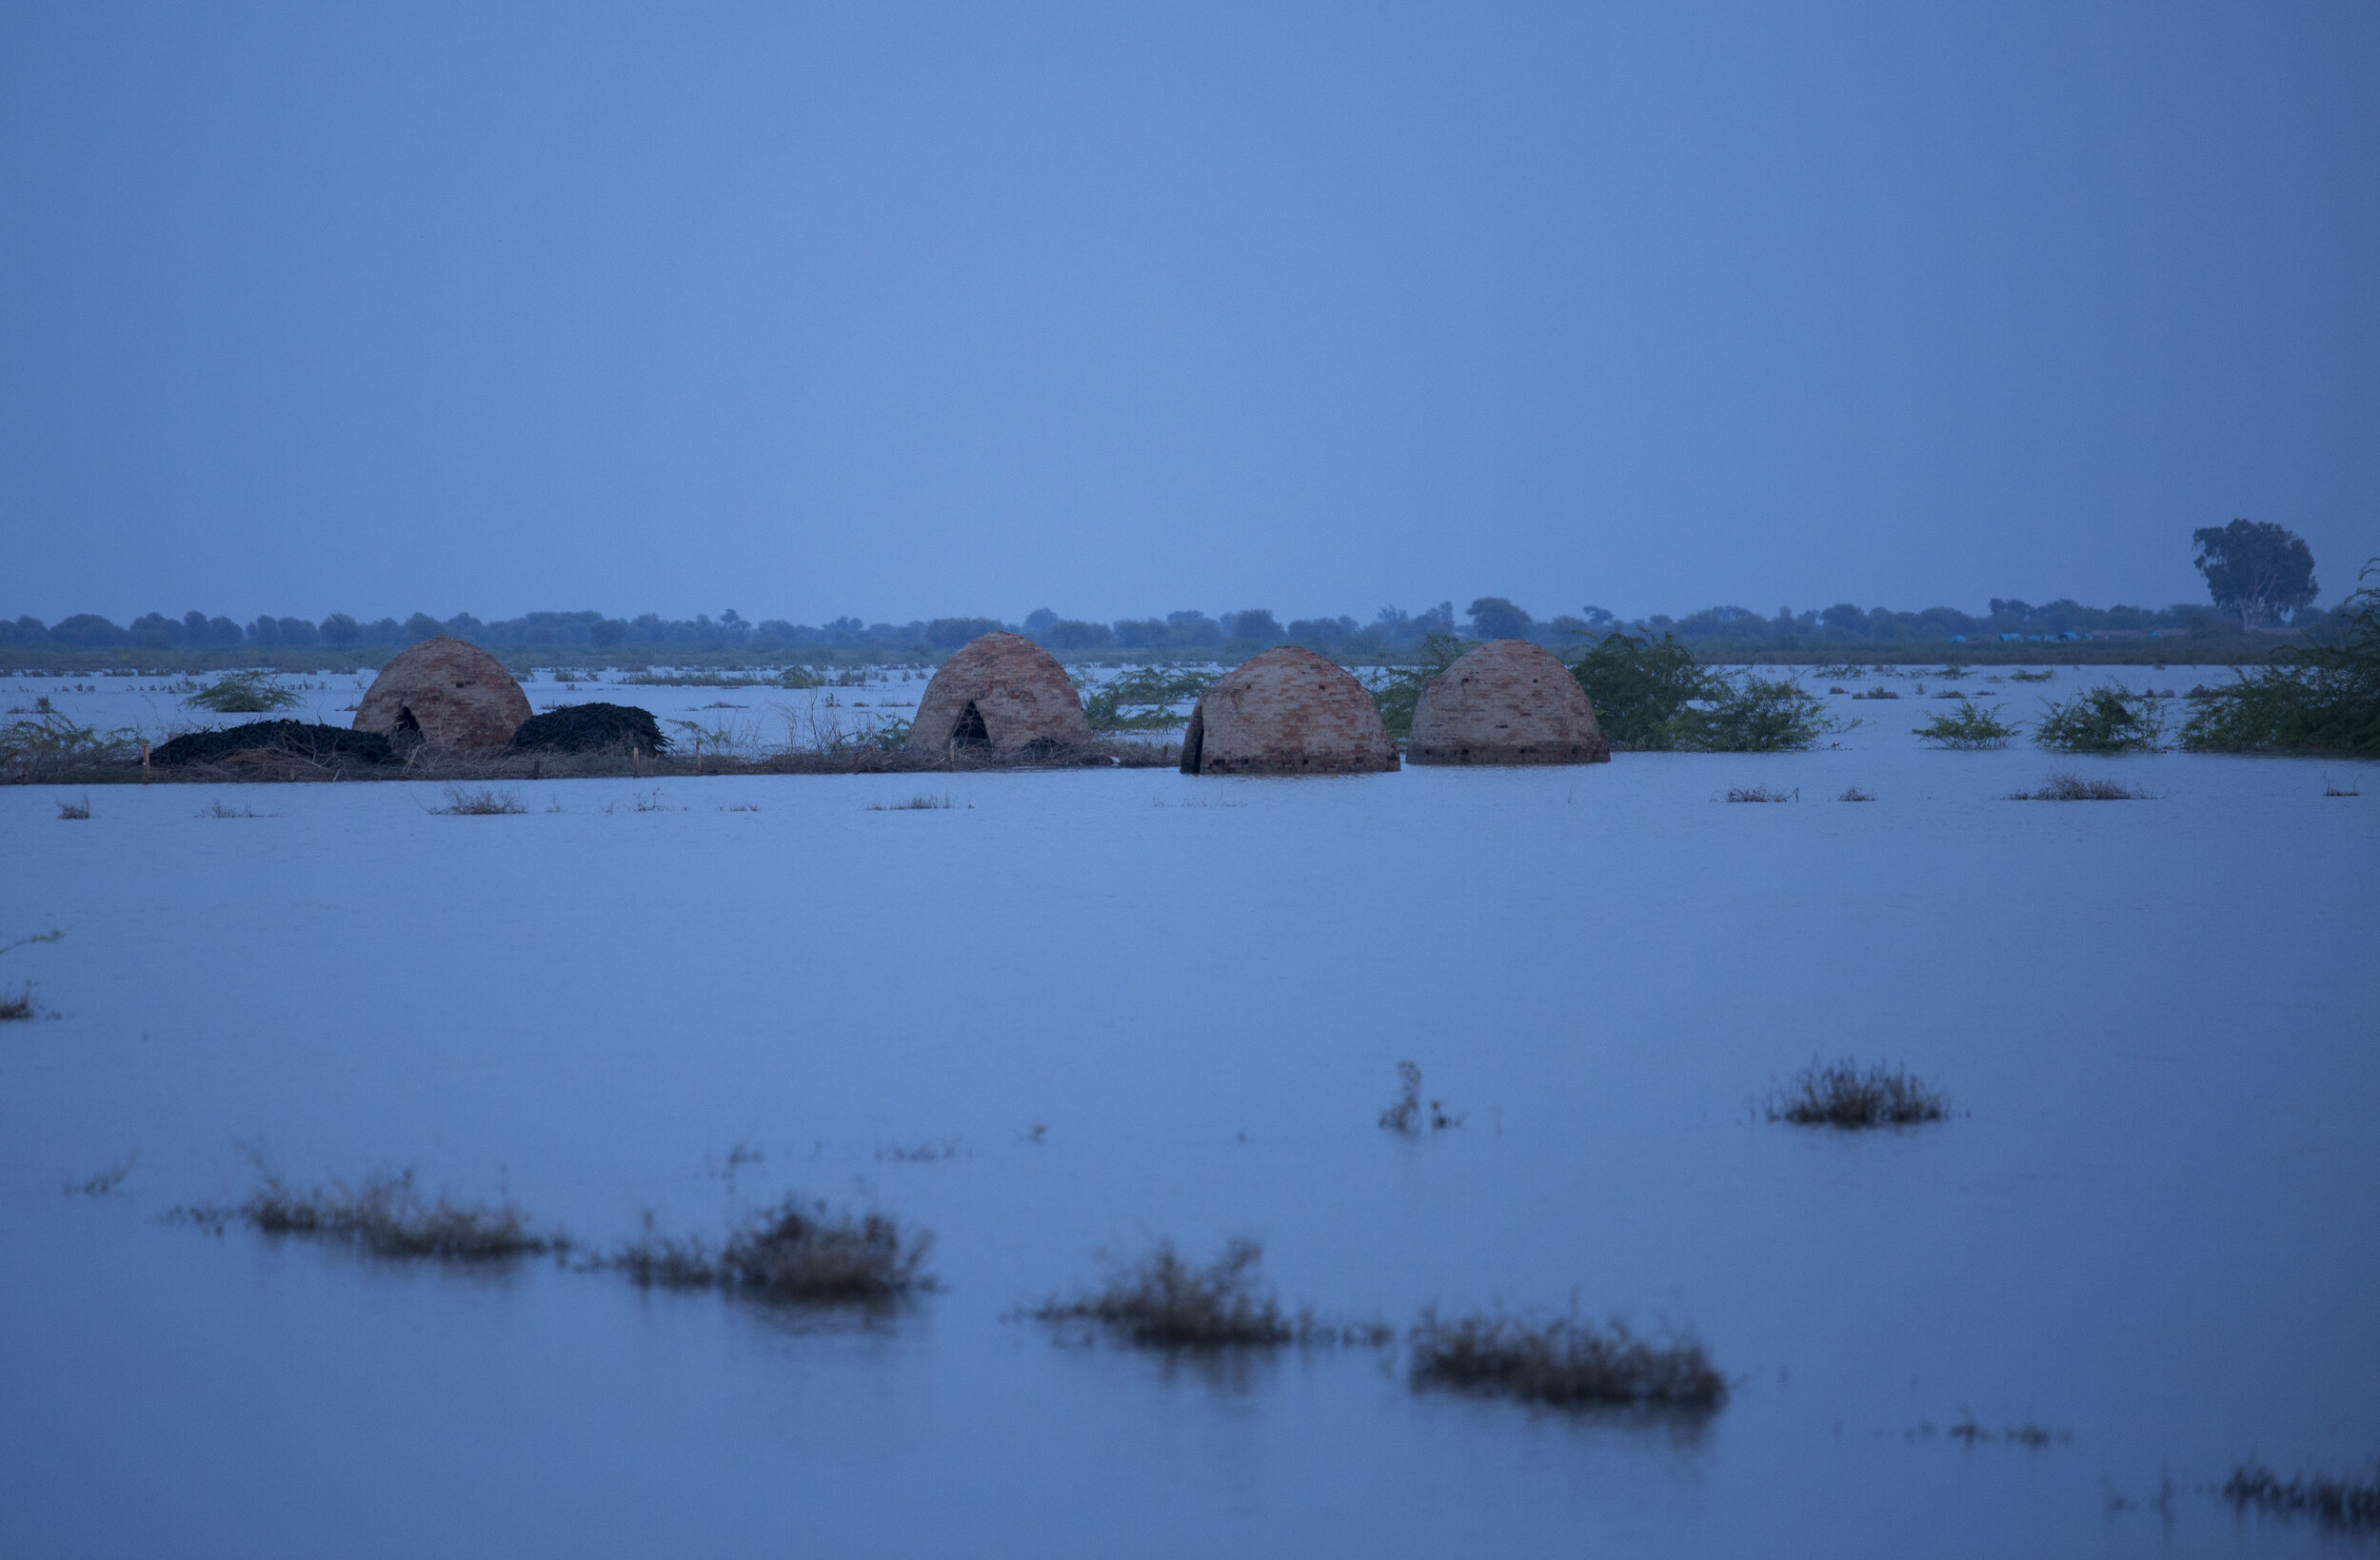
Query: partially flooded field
[[2081, 1228]]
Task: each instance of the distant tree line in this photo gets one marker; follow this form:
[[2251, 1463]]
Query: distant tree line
[[1392, 629], [2257, 574], [1389, 631]]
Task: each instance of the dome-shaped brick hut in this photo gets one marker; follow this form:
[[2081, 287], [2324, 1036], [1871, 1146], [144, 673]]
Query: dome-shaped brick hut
[[999, 693], [1287, 712], [445, 693], [1506, 702]]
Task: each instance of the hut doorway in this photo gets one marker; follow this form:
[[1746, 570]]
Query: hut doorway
[[407, 735], [969, 731], [1194, 743]]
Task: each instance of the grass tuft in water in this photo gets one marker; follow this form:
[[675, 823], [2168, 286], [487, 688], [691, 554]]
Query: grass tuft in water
[[1840, 1095], [1163, 1301], [1852, 793], [105, 1183], [1762, 793], [389, 1216], [919, 804], [2065, 785], [2349, 1503], [1404, 1115], [798, 1252], [1567, 1362], [74, 809], [19, 1006], [480, 801]]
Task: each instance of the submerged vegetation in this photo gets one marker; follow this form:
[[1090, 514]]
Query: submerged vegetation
[[1404, 1115], [481, 801], [1651, 694], [1970, 726], [1840, 1095], [387, 1216], [1753, 714], [2065, 785], [2348, 1503], [2322, 697], [1638, 685], [800, 1252], [1397, 691], [1143, 700], [18, 1006], [1566, 1362], [1163, 1301], [2106, 719]]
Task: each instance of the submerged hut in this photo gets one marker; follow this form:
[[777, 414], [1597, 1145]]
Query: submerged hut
[[999, 693], [445, 693], [1287, 712], [1507, 702]]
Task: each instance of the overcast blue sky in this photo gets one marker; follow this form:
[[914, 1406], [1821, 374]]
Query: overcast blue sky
[[908, 311]]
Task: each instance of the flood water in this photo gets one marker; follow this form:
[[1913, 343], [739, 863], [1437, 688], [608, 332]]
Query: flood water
[[1113, 1007]]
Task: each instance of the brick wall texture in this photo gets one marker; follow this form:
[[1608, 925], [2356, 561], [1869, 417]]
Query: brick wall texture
[[1508, 701], [1287, 712], [1018, 689], [458, 695]]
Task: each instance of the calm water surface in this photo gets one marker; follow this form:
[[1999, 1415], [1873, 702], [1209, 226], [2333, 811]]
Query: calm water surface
[[2148, 1229]]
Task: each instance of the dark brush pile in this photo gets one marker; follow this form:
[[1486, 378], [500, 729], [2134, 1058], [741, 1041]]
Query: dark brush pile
[[592, 728], [277, 739]]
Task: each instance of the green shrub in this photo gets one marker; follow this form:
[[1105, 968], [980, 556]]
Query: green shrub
[[1752, 713], [1143, 700], [1639, 687], [1397, 690], [1973, 726], [2323, 697], [56, 739], [243, 693], [2103, 720]]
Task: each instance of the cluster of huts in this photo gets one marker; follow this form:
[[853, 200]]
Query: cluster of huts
[[1286, 712]]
